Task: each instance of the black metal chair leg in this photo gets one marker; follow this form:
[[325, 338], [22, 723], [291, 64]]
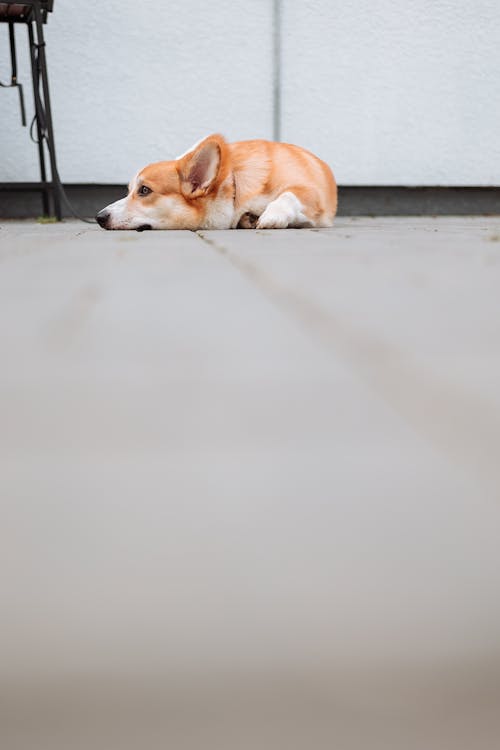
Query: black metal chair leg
[[48, 113], [39, 133]]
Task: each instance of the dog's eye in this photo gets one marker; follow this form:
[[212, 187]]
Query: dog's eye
[[144, 190]]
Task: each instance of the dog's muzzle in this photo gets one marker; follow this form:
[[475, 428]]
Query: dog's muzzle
[[102, 218]]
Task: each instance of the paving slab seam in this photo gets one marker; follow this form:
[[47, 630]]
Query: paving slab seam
[[462, 425]]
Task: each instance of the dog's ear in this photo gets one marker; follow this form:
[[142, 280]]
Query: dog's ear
[[199, 168]]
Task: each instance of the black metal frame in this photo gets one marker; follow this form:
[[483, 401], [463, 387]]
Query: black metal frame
[[34, 18]]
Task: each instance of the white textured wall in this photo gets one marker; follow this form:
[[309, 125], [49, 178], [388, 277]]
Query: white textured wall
[[396, 92], [390, 92], [134, 81]]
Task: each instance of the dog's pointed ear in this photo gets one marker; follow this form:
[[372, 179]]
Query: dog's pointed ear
[[199, 168]]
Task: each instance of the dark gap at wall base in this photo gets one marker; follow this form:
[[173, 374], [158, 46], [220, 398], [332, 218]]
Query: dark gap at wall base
[[86, 200], [353, 200], [418, 201]]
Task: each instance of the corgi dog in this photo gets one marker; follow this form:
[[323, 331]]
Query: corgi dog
[[219, 185]]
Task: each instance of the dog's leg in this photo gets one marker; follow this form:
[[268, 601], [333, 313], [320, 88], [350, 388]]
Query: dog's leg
[[293, 208], [248, 221]]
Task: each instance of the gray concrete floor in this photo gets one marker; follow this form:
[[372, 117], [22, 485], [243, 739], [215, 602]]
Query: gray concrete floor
[[251, 480]]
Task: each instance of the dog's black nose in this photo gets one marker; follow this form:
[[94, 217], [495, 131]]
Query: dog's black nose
[[102, 218]]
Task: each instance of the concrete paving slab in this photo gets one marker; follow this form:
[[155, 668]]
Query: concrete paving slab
[[412, 306], [257, 465]]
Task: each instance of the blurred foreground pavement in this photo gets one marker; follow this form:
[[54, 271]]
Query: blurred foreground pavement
[[250, 487]]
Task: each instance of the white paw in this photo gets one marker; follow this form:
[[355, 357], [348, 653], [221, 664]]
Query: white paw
[[272, 219]]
